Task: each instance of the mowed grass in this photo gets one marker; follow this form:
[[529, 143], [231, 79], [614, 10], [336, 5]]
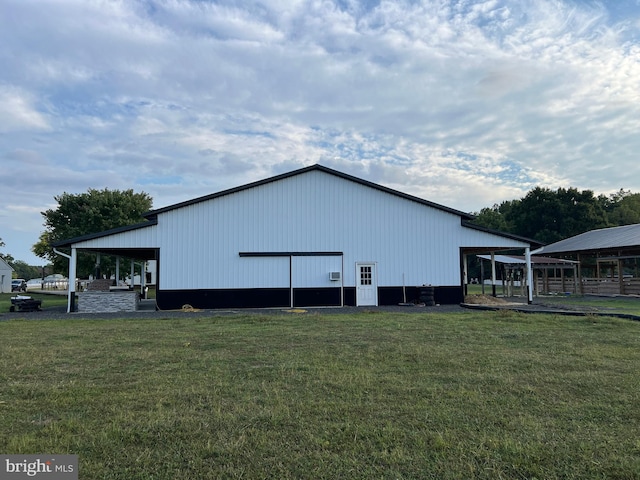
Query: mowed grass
[[369, 395], [597, 304], [47, 300]]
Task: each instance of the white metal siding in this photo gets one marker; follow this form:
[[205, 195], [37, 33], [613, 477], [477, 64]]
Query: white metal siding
[[263, 272], [139, 238], [311, 212], [314, 211], [309, 272]]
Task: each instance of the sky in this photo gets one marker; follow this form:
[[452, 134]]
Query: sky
[[465, 103]]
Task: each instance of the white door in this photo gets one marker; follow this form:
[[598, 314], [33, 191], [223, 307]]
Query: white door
[[366, 284]]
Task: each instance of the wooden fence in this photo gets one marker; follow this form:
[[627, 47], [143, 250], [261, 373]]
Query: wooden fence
[[593, 286]]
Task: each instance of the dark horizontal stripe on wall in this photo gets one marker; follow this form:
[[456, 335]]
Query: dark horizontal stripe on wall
[[444, 295], [316, 297], [449, 295], [302, 297], [224, 298], [349, 296], [290, 254]]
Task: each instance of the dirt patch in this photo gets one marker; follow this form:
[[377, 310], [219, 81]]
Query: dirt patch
[[484, 300]]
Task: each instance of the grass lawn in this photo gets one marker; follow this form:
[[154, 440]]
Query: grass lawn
[[629, 305], [48, 300], [369, 395]]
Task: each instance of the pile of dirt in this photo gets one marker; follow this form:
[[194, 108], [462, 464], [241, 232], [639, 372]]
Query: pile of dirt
[[483, 300]]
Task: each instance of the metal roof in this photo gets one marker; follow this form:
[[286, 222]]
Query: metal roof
[[603, 239], [535, 261], [4, 262]]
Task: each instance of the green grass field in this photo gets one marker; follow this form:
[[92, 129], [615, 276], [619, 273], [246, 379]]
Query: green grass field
[[603, 305], [369, 395], [48, 300]]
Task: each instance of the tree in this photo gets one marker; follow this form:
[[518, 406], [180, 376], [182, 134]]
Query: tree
[[496, 217], [624, 208], [550, 216], [547, 215], [91, 212], [24, 270]]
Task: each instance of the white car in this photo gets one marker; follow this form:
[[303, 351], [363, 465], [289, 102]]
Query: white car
[[56, 281]]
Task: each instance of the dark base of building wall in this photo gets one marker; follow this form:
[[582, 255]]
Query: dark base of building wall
[[443, 295], [302, 297]]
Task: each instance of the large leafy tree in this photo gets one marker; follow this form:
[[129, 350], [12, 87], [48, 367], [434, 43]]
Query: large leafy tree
[[550, 215], [85, 213]]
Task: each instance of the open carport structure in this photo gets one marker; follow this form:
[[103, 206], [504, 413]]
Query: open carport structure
[[550, 275], [608, 259]]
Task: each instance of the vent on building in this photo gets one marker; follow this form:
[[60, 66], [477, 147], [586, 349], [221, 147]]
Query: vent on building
[[334, 276]]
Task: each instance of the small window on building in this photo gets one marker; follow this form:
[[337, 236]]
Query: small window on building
[[365, 275]]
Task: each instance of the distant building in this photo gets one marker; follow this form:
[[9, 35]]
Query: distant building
[[6, 272]]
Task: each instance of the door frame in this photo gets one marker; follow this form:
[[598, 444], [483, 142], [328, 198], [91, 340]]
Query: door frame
[[374, 283]]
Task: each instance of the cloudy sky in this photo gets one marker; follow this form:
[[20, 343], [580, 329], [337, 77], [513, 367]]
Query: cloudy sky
[[465, 103]]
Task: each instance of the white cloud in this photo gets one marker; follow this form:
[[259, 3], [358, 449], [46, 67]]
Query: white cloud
[[18, 112]]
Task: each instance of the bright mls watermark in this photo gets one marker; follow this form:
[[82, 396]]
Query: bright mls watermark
[[48, 467]]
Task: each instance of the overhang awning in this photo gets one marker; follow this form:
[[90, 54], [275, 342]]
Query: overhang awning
[[536, 262]]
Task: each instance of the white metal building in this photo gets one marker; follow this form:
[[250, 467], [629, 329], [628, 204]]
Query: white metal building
[[310, 237], [6, 272]]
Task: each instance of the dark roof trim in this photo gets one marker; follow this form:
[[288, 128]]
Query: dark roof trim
[[91, 236], [480, 228], [320, 168], [291, 254]]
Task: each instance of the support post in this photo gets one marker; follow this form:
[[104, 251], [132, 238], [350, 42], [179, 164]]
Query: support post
[[580, 291], [493, 274], [73, 261], [465, 274], [98, 271], [527, 257], [143, 279], [620, 276]]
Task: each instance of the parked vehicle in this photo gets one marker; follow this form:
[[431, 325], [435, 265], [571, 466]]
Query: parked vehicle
[[18, 285], [34, 284], [56, 282]]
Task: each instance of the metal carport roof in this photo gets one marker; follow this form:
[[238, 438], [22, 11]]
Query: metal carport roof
[[624, 237]]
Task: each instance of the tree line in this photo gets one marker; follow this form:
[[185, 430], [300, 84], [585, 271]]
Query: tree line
[[552, 215]]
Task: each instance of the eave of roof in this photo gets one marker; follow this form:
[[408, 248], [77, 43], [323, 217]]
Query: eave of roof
[[3, 261], [91, 236], [317, 167], [480, 228], [535, 260]]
